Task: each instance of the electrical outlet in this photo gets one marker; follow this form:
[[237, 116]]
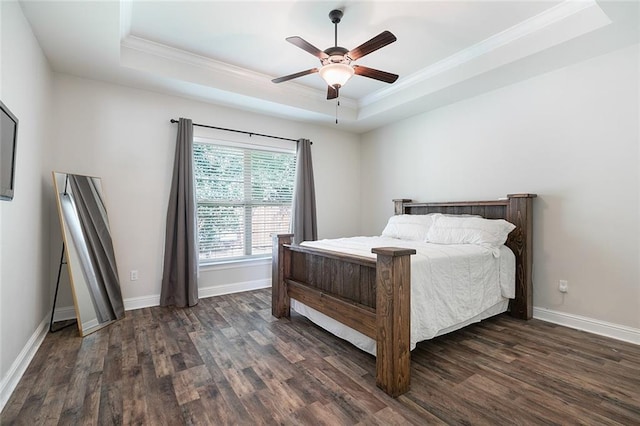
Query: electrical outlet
[[133, 275], [563, 286]]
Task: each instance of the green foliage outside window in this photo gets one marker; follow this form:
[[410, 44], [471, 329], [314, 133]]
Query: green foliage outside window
[[243, 197]]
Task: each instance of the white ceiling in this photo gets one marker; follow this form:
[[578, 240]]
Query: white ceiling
[[227, 52]]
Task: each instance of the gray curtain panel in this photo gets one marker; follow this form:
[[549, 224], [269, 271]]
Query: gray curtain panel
[[303, 216], [180, 274], [95, 246]]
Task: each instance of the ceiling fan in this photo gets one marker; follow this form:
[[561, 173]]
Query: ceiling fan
[[336, 67]]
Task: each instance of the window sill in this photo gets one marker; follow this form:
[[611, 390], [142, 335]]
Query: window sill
[[235, 264]]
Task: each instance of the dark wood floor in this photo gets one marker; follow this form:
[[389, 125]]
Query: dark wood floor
[[227, 361]]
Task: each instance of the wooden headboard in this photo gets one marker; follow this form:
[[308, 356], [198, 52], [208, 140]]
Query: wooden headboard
[[517, 209]]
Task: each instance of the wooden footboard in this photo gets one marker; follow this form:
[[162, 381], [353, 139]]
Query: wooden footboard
[[372, 296]]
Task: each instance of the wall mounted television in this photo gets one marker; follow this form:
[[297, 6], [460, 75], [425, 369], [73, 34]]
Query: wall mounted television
[[8, 141]]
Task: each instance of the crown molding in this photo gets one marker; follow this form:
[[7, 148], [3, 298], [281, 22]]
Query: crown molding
[[525, 28]]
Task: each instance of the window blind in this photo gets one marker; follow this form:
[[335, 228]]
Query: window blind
[[243, 197]]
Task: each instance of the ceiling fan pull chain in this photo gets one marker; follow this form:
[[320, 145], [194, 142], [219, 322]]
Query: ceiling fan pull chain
[[337, 105]]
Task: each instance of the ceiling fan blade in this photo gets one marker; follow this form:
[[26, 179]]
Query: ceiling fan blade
[[379, 41], [296, 75], [305, 45], [332, 92], [387, 77]]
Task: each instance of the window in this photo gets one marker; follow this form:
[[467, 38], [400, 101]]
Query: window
[[243, 197]]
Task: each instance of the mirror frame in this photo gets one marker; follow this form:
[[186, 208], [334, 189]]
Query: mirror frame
[[84, 304]]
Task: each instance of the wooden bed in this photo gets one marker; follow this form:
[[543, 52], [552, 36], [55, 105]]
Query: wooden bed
[[372, 296]]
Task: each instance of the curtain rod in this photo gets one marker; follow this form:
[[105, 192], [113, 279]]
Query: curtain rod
[[173, 120]]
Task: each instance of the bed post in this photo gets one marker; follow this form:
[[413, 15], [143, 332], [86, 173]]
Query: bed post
[[398, 205], [393, 316], [520, 213], [280, 268]]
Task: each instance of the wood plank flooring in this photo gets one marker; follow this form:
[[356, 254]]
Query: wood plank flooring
[[228, 361]]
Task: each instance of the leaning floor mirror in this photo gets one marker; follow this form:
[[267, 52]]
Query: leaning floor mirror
[[88, 250]]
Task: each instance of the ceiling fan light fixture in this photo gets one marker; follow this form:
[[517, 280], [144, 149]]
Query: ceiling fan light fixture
[[336, 74]]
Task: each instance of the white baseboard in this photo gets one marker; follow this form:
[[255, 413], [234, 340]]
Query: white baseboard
[[64, 313], [218, 290], [603, 328], [69, 312], [10, 381], [141, 302]]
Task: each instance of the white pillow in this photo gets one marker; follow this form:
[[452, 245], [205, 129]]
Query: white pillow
[[490, 233], [408, 226]]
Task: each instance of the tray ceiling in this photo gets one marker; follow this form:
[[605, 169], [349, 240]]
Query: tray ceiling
[[227, 52]]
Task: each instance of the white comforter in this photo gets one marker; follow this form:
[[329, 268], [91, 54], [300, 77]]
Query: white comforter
[[450, 284]]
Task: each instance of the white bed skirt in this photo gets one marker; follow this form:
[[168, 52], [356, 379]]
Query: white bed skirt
[[369, 345]]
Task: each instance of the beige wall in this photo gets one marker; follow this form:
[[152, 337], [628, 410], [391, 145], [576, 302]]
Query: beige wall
[[25, 87], [572, 137]]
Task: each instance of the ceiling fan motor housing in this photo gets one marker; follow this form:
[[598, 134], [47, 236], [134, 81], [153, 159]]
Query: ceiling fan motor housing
[[337, 55]]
